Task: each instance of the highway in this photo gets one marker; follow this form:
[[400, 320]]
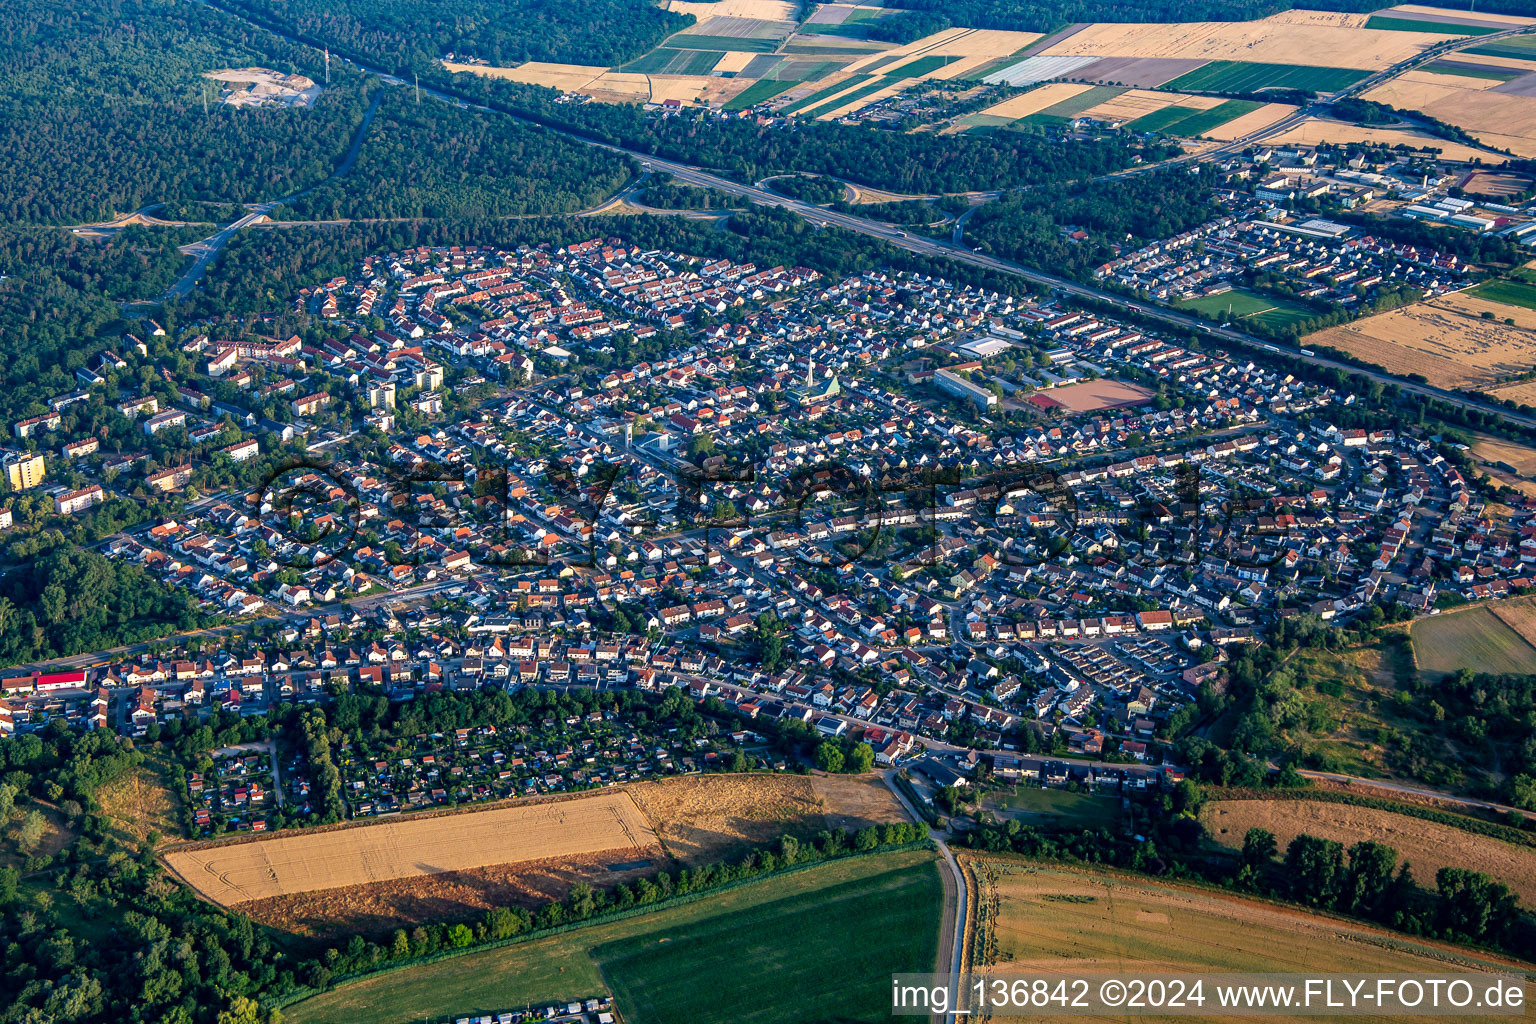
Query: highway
[[950, 249]]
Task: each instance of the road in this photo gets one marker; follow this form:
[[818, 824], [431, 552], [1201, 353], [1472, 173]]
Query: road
[[413, 595], [955, 894], [950, 249], [205, 250], [1397, 787]]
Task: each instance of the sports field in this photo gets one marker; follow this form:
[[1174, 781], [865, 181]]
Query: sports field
[[1241, 76], [230, 873], [1509, 293], [1473, 638], [815, 945], [1055, 920], [1239, 304]]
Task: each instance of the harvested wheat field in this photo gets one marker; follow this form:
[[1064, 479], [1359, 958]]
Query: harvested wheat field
[[1253, 121], [1266, 41], [697, 817], [1523, 459], [683, 88], [1500, 118], [1128, 106], [1519, 613], [619, 87], [1312, 132], [1442, 339], [233, 873], [853, 801], [1044, 919], [1467, 16], [565, 77], [733, 61], [1331, 19], [375, 910], [1427, 845], [1036, 100], [762, 10], [1417, 89]]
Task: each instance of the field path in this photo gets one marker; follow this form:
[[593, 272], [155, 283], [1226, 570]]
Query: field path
[[955, 918]]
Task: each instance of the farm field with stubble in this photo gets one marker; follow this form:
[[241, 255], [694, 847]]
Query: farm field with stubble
[[1043, 920]]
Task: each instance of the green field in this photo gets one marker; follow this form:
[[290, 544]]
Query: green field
[[1510, 293], [822, 94], [979, 120], [1445, 68], [759, 954], [920, 67], [1437, 27], [1244, 305], [745, 44], [1520, 47], [1035, 806], [1474, 638], [665, 61], [803, 70], [1242, 76], [758, 92], [1074, 105], [848, 97], [1160, 120], [1203, 121]]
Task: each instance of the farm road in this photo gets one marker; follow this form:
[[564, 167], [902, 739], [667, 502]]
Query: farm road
[[953, 923]]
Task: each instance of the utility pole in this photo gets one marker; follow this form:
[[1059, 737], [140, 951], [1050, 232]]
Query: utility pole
[[417, 79], [327, 65], [205, 95]]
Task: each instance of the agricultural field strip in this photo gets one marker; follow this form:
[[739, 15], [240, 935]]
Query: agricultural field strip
[[236, 872]]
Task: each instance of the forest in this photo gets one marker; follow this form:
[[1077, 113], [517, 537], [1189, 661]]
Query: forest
[[75, 600], [1031, 227], [748, 152], [105, 111], [1050, 15], [439, 160], [261, 265], [401, 34], [59, 302]]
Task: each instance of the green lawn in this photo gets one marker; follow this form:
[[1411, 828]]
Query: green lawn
[[1510, 293], [1239, 304], [1475, 639], [1035, 806], [759, 954], [1245, 76], [758, 92], [1439, 28]]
